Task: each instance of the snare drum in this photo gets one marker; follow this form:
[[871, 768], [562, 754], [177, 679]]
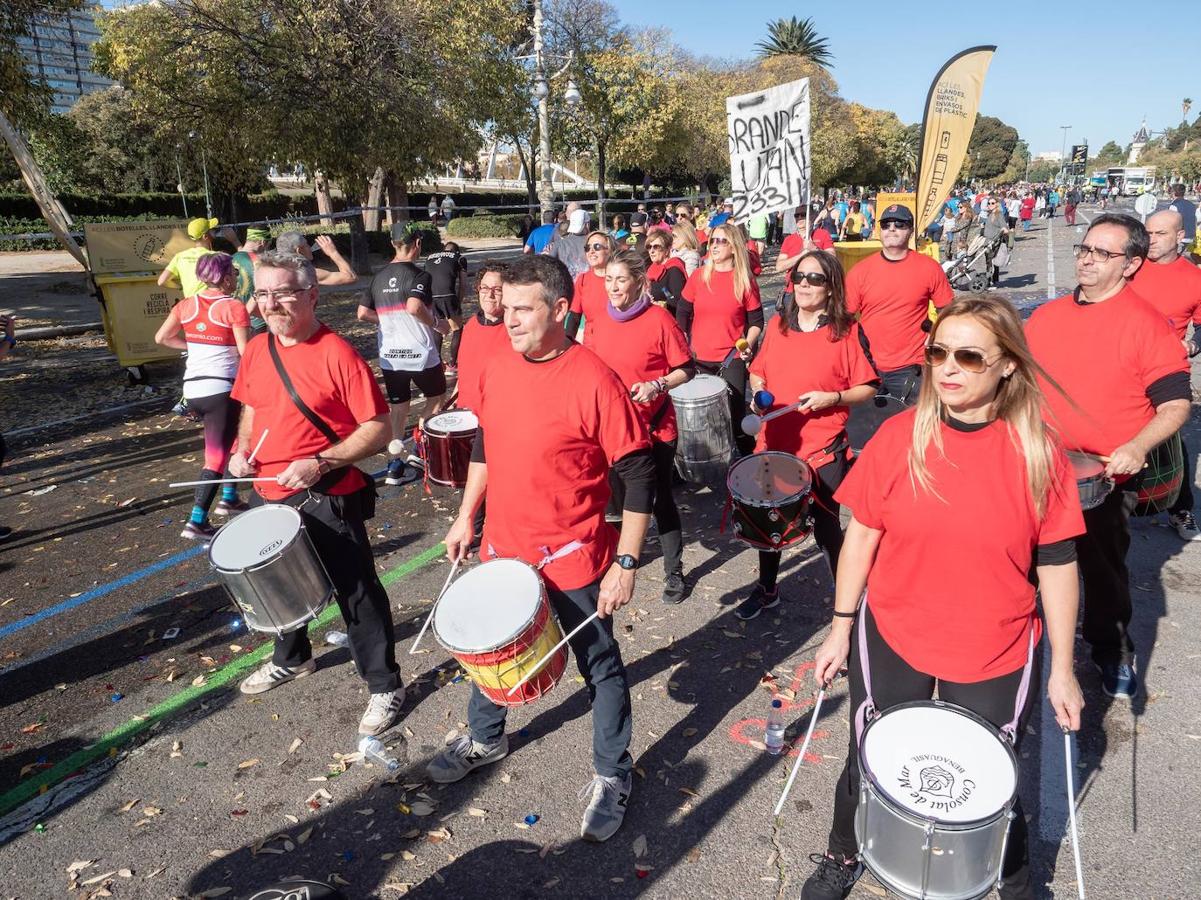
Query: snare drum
[[769, 499], [936, 796], [497, 622], [706, 439], [446, 441], [1094, 487], [1162, 478], [266, 562]]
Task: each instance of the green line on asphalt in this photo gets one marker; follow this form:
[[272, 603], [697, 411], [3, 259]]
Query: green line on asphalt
[[108, 744]]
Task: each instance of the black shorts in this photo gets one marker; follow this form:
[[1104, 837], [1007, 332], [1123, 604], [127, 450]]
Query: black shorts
[[399, 385], [448, 306]]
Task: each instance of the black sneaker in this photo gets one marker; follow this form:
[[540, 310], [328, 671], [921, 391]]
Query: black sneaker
[[5, 532], [1118, 680], [832, 880], [675, 589], [401, 473], [758, 601], [194, 532]]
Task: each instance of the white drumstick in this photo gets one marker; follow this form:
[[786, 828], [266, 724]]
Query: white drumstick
[[555, 649], [451, 574], [796, 767], [257, 448], [215, 481], [752, 423], [1067, 765]]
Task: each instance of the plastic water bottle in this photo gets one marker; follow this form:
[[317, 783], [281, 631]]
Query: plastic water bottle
[[374, 751], [774, 737], [336, 638]]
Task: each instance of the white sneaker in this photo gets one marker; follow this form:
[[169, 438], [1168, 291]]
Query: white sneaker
[[1185, 525], [382, 711], [607, 808], [270, 676]]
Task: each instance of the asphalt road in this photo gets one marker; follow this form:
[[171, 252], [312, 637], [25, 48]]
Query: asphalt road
[[182, 787]]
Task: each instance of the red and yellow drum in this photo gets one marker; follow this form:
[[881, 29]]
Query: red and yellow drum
[[497, 622]]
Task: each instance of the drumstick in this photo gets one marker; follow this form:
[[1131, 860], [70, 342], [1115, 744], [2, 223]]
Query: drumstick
[[796, 767], [752, 423], [1067, 765], [257, 448], [215, 481], [553, 650], [451, 574]]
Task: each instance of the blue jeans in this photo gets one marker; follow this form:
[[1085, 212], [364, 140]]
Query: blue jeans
[[904, 384]]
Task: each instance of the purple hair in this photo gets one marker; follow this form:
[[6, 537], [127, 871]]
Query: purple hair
[[214, 268]]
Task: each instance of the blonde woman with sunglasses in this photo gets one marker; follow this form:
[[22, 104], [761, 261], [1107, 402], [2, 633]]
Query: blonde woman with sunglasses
[[953, 503]]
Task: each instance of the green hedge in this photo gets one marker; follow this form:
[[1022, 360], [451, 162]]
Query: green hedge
[[485, 226]]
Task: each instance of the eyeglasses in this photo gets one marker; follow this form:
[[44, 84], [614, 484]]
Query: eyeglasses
[[597, 246], [1097, 254], [659, 247], [891, 224], [967, 358], [491, 291], [719, 241], [289, 296], [815, 279]]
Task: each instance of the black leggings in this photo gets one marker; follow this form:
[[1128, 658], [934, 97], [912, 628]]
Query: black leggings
[[894, 682], [827, 527], [735, 376], [220, 416]]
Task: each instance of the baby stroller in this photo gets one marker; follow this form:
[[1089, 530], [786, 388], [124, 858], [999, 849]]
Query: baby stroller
[[967, 270]]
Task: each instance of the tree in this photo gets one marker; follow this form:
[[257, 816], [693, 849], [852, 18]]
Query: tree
[[880, 147], [22, 96], [1109, 155], [1043, 170], [990, 149], [1018, 162], [796, 37]]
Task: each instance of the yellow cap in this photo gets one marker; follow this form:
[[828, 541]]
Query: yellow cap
[[198, 228]]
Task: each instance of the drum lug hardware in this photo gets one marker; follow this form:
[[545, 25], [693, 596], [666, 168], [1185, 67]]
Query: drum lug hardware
[[774, 515], [776, 539], [737, 529]]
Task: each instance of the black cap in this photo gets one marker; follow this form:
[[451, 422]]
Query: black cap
[[897, 213], [638, 218]]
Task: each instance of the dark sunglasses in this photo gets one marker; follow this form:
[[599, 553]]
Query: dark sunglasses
[[897, 224], [966, 358], [656, 247], [719, 240], [815, 279], [596, 246]]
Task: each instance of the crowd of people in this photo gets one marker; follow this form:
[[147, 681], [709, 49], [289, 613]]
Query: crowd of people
[[601, 324]]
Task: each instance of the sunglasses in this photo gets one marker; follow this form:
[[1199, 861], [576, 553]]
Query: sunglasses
[[656, 247], [894, 224], [719, 241], [596, 246], [815, 279], [966, 358]]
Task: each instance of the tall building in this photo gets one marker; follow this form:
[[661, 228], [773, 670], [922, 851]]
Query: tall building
[[59, 51]]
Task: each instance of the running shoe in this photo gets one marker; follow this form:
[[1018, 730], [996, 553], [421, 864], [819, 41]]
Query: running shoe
[[607, 808], [758, 601], [1185, 525], [833, 880], [675, 589], [230, 508], [5, 532], [198, 532], [462, 756], [400, 473], [1118, 680], [383, 711], [269, 675]]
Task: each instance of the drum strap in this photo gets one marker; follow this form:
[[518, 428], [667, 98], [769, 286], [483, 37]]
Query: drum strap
[[335, 475], [1019, 702], [867, 709], [548, 557]]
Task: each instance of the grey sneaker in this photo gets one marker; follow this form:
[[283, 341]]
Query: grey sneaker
[[462, 756], [202, 532], [270, 676], [383, 710], [607, 809], [1185, 525]]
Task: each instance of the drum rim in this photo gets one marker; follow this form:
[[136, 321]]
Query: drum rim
[[763, 504], [869, 782], [429, 429], [534, 615], [274, 556], [682, 399]]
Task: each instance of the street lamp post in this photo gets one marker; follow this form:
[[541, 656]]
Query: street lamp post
[[179, 180], [208, 197], [546, 187]]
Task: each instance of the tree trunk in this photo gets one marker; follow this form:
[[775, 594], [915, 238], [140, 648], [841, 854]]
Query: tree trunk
[[391, 215], [325, 203], [531, 183], [398, 196], [375, 199]]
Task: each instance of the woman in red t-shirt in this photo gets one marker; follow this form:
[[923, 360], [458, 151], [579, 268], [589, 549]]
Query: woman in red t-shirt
[[590, 298], [666, 274], [642, 343], [811, 353], [720, 305], [952, 504], [1026, 211]]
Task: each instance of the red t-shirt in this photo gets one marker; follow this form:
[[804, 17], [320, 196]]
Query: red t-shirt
[[1174, 289], [552, 430], [795, 363], [893, 299], [478, 344], [655, 271], [1104, 356], [333, 381], [949, 587], [718, 316], [753, 260], [643, 349], [590, 299]]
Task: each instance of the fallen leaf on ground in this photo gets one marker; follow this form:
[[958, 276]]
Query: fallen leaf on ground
[[639, 845], [477, 812], [81, 864], [149, 811], [296, 742], [96, 879], [421, 808], [247, 763], [689, 732], [125, 873], [30, 729]]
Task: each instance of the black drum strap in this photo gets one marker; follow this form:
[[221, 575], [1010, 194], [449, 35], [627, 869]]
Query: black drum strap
[[315, 420]]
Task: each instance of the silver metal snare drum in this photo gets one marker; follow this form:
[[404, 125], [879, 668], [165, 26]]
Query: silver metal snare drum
[[706, 442], [266, 563], [936, 795]]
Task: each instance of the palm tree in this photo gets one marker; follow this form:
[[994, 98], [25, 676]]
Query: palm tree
[[1186, 104], [796, 37]]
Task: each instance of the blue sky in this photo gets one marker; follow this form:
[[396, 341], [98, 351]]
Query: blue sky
[[1099, 67]]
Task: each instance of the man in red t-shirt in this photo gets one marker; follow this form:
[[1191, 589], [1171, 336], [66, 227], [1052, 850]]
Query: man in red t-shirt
[[1172, 284], [795, 245], [892, 292], [554, 420], [1121, 389], [312, 459]]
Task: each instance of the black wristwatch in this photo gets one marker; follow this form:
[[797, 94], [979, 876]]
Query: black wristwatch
[[627, 562]]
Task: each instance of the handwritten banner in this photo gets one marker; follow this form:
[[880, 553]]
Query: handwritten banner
[[768, 134]]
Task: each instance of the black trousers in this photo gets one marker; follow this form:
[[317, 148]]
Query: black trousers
[[894, 682], [336, 526], [667, 515], [735, 376], [827, 526], [1101, 555]]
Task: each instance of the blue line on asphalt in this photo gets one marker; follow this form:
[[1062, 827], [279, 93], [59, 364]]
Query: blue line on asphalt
[[101, 591]]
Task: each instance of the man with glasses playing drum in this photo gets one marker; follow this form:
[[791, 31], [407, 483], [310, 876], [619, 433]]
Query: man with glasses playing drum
[[318, 405], [1125, 372], [891, 292], [554, 419], [952, 504]]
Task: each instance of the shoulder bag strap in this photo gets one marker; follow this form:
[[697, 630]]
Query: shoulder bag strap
[[316, 421]]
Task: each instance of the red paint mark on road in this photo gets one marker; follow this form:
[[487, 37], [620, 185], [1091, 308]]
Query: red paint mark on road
[[746, 731]]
